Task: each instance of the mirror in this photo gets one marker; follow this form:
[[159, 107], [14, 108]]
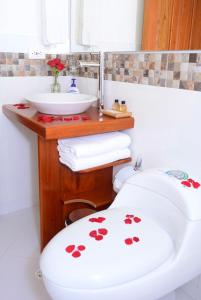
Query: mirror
[[135, 25]]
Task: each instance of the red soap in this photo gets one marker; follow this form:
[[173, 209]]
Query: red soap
[[70, 248]]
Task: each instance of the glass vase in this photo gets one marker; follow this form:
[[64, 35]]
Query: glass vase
[[55, 86]]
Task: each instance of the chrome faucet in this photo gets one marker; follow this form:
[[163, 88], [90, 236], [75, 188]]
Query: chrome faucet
[[100, 64]]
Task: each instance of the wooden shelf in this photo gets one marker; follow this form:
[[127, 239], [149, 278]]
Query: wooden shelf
[[64, 129], [112, 164]]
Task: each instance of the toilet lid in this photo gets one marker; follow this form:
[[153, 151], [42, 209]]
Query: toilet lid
[[105, 249]]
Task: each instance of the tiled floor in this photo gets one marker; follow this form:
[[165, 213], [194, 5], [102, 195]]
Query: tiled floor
[[19, 257]]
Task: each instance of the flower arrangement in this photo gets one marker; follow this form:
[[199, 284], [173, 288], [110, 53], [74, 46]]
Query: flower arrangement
[[56, 66]]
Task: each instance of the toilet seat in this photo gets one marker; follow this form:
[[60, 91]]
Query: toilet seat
[[106, 249]]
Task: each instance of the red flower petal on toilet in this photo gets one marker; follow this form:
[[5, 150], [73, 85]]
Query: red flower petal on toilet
[[76, 254], [196, 185], [81, 247], [92, 220], [137, 220], [97, 220], [93, 233], [98, 237], [103, 231], [100, 219], [136, 239], [128, 241], [70, 248], [186, 183], [190, 180], [129, 216], [128, 221]]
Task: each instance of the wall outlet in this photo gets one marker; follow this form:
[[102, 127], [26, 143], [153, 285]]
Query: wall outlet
[[36, 54]]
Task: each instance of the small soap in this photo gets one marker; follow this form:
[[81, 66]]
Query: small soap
[[116, 114]]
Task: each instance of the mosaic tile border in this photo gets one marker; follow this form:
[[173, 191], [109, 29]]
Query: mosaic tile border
[[173, 70]]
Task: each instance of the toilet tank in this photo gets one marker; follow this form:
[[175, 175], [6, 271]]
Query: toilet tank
[[179, 187]]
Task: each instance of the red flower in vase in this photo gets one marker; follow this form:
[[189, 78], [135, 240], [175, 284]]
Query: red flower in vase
[[57, 66]]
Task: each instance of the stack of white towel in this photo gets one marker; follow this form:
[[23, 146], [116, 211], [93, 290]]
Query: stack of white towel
[[95, 150]]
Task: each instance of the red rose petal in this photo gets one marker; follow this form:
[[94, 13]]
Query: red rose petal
[[190, 180], [75, 118], [186, 183], [101, 219], [137, 220], [129, 216], [93, 233], [85, 118], [136, 239], [98, 237], [92, 220], [76, 254], [81, 247], [58, 118], [128, 221], [196, 185], [128, 241], [103, 231], [70, 248], [68, 119]]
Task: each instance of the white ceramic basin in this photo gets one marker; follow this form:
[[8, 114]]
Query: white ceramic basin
[[61, 103]]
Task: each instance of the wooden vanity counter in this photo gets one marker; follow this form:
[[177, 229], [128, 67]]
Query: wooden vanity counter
[[61, 129], [61, 190]]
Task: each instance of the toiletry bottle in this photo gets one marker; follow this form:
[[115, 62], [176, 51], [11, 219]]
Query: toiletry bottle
[[73, 88], [123, 107], [116, 105]]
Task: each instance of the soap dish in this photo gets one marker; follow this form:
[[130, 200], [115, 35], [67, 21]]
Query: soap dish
[[116, 114]]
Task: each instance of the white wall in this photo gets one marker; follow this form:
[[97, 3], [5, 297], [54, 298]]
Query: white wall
[[167, 124], [21, 27]]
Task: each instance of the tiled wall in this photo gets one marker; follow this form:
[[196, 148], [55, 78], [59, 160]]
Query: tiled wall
[[176, 70]]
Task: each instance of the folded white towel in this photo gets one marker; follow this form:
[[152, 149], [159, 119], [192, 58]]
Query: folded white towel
[[77, 164], [87, 146], [55, 22]]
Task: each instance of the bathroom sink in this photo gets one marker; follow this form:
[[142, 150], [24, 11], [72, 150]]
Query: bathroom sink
[[61, 103]]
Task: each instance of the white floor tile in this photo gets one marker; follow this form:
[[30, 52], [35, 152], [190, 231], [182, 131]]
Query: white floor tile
[[180, 295], [19, 256], [18, 280]]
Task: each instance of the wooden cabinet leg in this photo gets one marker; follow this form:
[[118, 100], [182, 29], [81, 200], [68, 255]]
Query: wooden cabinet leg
[[51, 214]]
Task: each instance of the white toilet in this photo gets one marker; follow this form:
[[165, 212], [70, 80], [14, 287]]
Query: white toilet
[[147, 244]]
